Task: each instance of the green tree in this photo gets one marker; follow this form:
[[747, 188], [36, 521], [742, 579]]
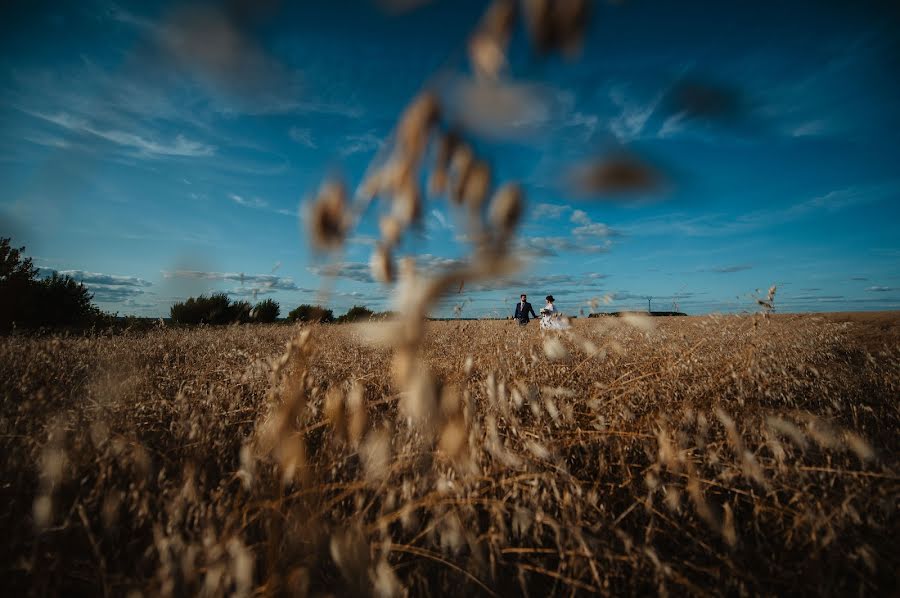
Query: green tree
[[310, 313], [266, 311], [355, 314], [216, 308], [239, 311], [30, 302], [13, 267], [17, 279], [61, 301]]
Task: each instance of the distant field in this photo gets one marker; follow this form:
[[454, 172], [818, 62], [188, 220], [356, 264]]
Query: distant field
[[704, 455]]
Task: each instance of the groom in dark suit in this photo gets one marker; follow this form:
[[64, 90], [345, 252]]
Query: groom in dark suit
[[523, 308]]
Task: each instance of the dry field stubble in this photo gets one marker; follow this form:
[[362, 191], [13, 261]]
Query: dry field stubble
[[708, 455]]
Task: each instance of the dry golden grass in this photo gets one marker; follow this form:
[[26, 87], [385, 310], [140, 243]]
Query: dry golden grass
[[715, 455], [708, 455]]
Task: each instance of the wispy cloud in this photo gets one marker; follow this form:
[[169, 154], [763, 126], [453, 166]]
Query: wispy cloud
[[358, 271], [672, 125], [106, 288], [180, 146], [441, 220], [429, 262], [107, 279], [303, 137], [580, 217], [248, 283], [362, 272], [714, 225], [587, 227], [366, 143], [810, 128], [731, 269], [221, 54], [555, 245], [550, 211], [247, 202], [549, 281], [629, 124], [879, 289], [594, 229]]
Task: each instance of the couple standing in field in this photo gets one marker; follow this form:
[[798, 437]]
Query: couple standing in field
[[551, 319]]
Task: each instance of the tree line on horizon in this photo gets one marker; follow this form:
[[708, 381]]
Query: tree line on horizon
[[30, 302], [218, 308]]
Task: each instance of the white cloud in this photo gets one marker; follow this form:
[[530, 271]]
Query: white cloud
[[181, 146], [549, 211], [587, 227], [731, 269], [441, 220], [247, 202], [303, 137], [672, 125], [105, 288], [553, 246], [810, 128], [580, 217], [588, 122], [712, 225], [106, 279], [358, 271], [355, 144], [594, 229], [629, 124], [261, 283]]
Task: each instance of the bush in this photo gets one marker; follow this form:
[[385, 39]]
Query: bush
[[356, 313], [30, 302], [310, 313], [60, 301], [266, 311], [213, 309], [239, 311]]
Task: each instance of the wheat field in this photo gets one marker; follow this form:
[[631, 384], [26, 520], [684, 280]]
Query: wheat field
[[704, 455]]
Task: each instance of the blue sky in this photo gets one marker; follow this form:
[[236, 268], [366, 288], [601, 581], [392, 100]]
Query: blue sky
[[157, 152]]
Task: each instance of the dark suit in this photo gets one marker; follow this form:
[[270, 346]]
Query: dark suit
[[522, 312]]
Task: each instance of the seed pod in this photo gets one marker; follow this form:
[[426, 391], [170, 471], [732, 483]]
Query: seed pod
[[335, 411], [487, 55], [373, 185], [358, 419], [446, 149], [453, 437], [437, 182], [382, 265], [460, 164], [419, 400], [328, 218], [407, 206], [476, 184], [487, 47], [390, 230], [499, 19], [506, 208], [420, 116]]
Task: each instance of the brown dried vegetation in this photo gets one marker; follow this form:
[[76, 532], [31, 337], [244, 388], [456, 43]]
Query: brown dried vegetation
[[721, 455], [702, 455]]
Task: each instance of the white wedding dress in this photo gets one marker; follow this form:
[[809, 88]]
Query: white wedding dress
[[551, 319]]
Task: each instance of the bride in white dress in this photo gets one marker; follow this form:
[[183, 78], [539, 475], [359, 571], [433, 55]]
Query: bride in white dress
[[551, 319]]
